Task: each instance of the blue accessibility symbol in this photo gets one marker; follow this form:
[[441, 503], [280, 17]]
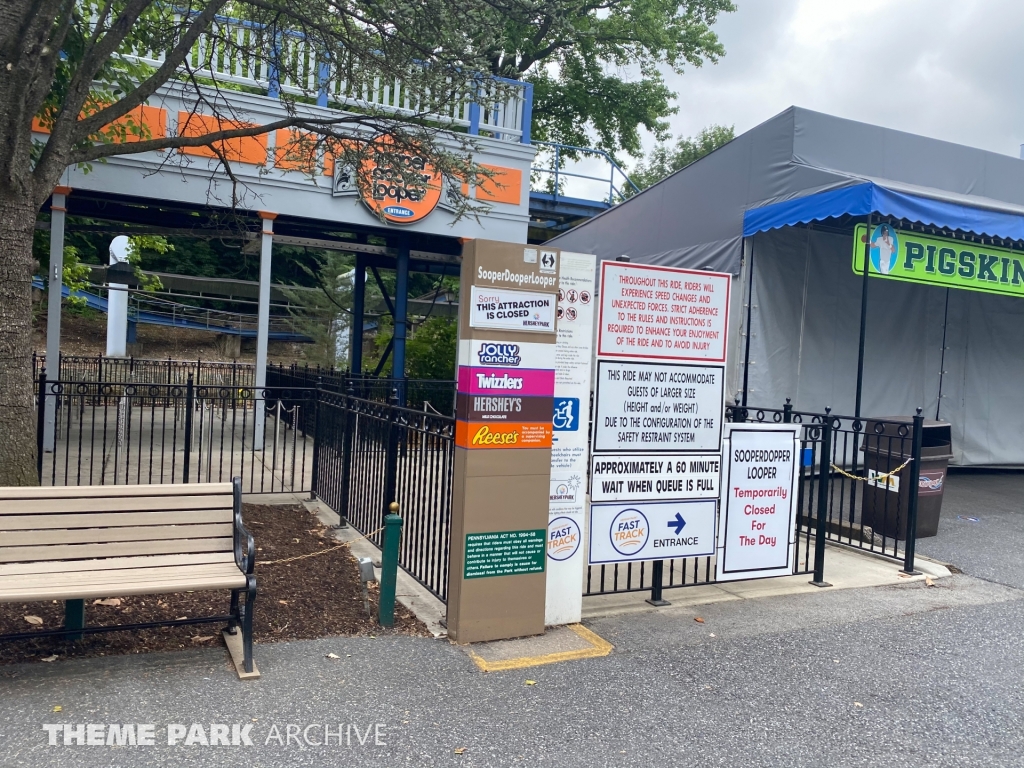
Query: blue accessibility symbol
[[678, 524], [567, 414]]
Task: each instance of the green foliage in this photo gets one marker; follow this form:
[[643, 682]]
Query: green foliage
[[430, 348], [597, 67], [76, 278], [430, 351], [324, 316], [666, 160], [137, 245]]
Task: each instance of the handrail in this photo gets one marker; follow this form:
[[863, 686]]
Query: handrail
[[558, 173], [217, 55]]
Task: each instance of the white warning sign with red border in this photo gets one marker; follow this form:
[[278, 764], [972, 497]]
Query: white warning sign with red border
[[664, 313]]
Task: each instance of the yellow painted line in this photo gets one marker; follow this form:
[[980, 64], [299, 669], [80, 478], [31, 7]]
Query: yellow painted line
[[599, 647]]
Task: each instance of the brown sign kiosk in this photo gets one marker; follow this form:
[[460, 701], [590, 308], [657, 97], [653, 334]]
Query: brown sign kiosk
[[506, 379]]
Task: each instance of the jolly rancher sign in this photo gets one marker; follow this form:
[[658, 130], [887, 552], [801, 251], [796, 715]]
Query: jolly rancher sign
[[900, 255], [395, 183]]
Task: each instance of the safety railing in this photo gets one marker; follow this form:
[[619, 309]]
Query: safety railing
[[554, 161], [355, 454], [140, 370], [370, 454], [435, 396], [130, 433], [242, 53]]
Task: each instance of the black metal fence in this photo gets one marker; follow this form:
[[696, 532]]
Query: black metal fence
[[140, 370], [118, 433], [431, 395], [370, 454], [358, 450], [852, 471], [355, 454], [435, 396]]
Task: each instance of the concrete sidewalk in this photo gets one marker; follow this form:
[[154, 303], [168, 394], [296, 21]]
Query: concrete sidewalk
[[845, 568]]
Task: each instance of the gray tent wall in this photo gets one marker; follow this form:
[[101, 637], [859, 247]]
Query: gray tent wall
[[806, 298]]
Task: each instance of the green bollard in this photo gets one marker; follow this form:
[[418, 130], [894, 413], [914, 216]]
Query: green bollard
[[389, 567], [74, 618]]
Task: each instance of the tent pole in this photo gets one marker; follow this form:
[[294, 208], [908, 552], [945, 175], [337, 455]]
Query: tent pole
[[942, 359], [750, 304], [863, 320]]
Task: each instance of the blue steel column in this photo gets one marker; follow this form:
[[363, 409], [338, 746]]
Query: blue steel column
[[401, 316], [358, 311]]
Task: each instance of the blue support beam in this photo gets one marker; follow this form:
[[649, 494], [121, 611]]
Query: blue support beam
[[358, 313], [401, 315]]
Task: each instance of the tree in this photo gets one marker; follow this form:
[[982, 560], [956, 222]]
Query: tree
[[72, 65], [596, 65], [324, 316], [666, 160]]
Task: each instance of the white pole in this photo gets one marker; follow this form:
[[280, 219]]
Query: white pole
[[263, 326], [55, 280], [117, 303]]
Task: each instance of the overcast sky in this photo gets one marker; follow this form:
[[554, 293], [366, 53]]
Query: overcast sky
[[949, 69]]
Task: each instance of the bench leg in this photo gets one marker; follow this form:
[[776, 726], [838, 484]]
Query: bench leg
[[233, 623], [74, 618], [250, 599]]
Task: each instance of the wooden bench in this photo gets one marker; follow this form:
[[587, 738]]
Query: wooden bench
[[84, 542]]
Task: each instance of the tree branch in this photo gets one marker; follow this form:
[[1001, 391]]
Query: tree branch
[[149, 86]]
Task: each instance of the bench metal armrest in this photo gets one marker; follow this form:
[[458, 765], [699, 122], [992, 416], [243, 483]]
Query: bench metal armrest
[[244, 545]]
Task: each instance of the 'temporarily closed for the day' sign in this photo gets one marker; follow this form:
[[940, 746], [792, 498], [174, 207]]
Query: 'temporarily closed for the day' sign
[[756, 532]]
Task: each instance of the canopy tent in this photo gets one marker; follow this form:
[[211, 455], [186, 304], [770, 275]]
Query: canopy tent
[[777, 207]]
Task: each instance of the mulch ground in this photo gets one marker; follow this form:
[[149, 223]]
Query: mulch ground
[[316, 596]]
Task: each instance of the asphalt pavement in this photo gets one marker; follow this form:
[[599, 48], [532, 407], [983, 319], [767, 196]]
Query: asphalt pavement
[[901, 675]]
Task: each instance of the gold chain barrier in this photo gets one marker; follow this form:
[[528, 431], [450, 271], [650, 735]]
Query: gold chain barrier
[[876, 478], [319, 551]]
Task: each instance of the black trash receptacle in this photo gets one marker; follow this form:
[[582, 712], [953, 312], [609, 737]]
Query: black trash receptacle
[[886, 502]]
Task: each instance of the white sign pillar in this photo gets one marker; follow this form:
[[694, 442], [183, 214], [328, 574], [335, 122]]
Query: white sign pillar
[[117, 303], [263, 326], [55, 281], [567, 507]]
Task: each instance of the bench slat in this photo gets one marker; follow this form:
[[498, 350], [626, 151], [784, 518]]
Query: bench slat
[[120, 549], [116, 563], [125, 504], [118, 576], [113, 519], [154, 584], [110, 535], [113, 491]]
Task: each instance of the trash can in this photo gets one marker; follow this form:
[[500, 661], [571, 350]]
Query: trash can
[[887, 501]]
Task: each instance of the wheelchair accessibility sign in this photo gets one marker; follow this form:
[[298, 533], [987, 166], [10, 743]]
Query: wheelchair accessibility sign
[[567, 414]]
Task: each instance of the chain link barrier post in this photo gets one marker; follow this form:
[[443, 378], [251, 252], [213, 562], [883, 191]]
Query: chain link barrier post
[[389, 567]]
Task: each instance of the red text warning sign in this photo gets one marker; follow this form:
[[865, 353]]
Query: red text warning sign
[[662, 312]]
